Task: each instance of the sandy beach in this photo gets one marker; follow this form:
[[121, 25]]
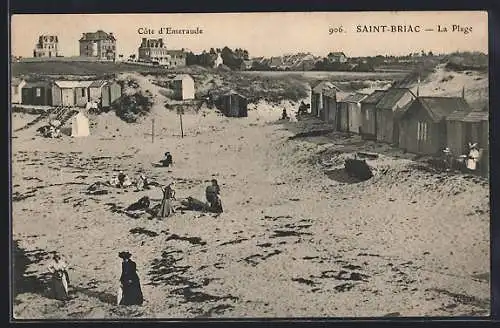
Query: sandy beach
[[297, 237]]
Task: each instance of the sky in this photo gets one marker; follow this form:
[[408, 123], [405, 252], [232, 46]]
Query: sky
[[264, 34]]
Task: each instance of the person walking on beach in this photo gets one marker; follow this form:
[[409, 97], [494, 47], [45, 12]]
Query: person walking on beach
[[60, 278], [130, 286], [166, 208]]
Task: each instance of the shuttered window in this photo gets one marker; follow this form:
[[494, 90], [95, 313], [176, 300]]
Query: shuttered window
[[422, 131]]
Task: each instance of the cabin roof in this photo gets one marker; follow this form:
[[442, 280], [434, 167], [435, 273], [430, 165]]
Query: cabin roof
[[391, 98], [457, 115], [355, 98], [35, 84], [325, 85], [374, 97], [477, 116], [440, 107]]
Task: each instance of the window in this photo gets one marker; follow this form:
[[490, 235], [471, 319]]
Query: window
[[38, 92], [367, 115], [422, 132], [83, 92]]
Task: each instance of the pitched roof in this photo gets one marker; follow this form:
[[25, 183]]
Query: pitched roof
[[391, 97], [355, 97], [476, 116], [374, 97], [440, 107], [325, 85], [95, 36], [233, 92]]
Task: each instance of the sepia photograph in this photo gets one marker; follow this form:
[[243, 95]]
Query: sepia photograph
[[249, 165]]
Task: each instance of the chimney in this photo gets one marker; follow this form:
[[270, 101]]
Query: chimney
[[463, 92]]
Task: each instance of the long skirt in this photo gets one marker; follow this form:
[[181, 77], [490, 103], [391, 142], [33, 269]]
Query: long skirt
[[131, 294], [60, 287]]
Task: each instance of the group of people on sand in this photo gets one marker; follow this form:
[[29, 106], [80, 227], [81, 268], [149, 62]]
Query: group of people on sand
[[167, 207], [129, 291], [469, 162]]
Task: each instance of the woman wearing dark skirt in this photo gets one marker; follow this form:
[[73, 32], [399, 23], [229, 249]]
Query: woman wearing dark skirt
[[131, 293], [60, 278]]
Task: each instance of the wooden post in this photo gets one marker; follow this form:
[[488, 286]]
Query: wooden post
[[153, 130], [182, 129]]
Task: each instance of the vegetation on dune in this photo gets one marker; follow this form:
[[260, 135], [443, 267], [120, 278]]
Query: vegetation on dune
[[466, 61], [133, 103]]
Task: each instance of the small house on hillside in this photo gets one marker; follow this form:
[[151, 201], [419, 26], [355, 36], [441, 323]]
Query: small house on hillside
[[352, 105], [233, 104], [423, 127], [183, 87], [391, 103], [317, 98], [337, 57], [369, 114], [111, 91], [464, 127], [70, 93], [15, 90], [37, 93]]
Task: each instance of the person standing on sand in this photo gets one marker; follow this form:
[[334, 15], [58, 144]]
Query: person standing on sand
[[131, 293], [60, 278], [166, 208], [212, 193]]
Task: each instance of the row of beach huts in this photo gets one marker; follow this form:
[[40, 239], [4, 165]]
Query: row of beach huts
[[65, 93], [420, 125], [79, 93]]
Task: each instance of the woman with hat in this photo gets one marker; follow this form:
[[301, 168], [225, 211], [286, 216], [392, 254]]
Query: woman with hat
[[131, 293], [60, 278]]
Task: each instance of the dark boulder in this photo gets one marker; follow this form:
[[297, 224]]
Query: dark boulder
[[358, 168]]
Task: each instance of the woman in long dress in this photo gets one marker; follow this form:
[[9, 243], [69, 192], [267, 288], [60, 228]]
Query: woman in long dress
[[166, 208], [131, 293], [212, 193], [60, 278]]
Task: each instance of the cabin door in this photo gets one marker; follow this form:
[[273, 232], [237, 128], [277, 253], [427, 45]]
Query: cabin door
[[66, 98]]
